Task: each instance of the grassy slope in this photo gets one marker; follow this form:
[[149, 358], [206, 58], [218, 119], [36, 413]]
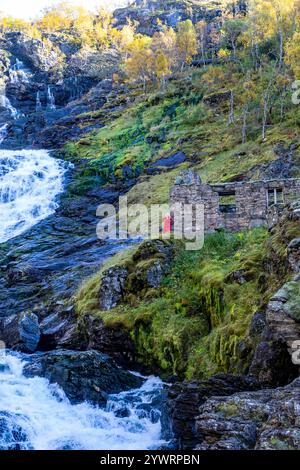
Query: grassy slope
[[162, 123], [198, 322]]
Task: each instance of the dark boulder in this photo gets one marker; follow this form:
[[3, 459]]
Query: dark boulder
[[172, 161], [261, 420], [113, 341], [184, 400], [84, 376], [21, 332]]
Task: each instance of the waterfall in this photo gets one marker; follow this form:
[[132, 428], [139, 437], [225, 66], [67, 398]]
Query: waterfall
[[3, 132], [50, 99], [38, 104], [18, 72], [30, 181], [5, 103], [36, 415]]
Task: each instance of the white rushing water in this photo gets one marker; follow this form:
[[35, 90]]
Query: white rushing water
[[30, 181], [50, 99], [3, 132], [19, 73], [37, 415], [5, 103]]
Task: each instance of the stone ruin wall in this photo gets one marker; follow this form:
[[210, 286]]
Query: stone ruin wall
[[252, 200]]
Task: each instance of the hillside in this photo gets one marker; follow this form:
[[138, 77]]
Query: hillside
[[131, 100]]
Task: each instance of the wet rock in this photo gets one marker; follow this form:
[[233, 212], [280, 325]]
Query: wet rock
[[185, 399], [172, 161], [16, 274], [136, 276], [113, 341], [33, 51], [21, 332], [266, 419], [84, 376], [112, 287], [59, 330]]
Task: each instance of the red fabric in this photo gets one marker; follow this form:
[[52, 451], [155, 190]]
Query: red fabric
[[167, 224]]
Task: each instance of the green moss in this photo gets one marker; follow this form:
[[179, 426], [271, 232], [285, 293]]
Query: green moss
[[200, 300], [291, 291], [154, 125]]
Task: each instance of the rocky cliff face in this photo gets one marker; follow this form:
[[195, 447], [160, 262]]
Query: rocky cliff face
[[169, 12], [44, 88], [215, 415], [272, 363]]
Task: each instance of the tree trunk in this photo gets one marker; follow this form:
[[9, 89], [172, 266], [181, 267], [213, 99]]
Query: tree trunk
[[265, 117], [281, 49], [244, 130], [231, 113]]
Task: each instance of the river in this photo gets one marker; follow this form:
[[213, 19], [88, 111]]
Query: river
[[35, 414]]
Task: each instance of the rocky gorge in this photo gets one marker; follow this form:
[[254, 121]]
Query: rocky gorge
[[76, 312]]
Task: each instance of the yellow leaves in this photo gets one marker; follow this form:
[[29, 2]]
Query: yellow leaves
[[186, 40], [162, 65], [292, 51], [223, 54], [250, 91], [213, 76], [268, 16]]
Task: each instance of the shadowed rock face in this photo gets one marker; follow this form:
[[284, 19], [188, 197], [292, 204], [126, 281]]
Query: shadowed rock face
[[21, 332], [184, 401], [169, 12], [140, 273], [272, 362], [53, 89], [262, 420], [84, 376]]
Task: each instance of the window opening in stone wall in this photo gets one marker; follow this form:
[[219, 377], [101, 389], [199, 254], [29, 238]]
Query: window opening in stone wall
[[275, 196], [227, 202]]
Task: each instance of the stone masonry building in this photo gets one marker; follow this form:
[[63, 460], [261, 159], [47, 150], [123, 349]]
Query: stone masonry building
[[234, 206]]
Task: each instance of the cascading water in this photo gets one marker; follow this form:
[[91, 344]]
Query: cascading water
[[19, 73], [37, 415], [5, 103], [30, 181], [38, 104], [50, 99], [3, 132]]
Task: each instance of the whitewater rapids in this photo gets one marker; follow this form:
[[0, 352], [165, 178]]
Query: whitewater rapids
[[30, 181], [37, 415]]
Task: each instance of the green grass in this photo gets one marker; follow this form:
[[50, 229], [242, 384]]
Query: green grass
[[197, 322]]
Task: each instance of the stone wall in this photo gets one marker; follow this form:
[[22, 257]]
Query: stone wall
[[234, 206]]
